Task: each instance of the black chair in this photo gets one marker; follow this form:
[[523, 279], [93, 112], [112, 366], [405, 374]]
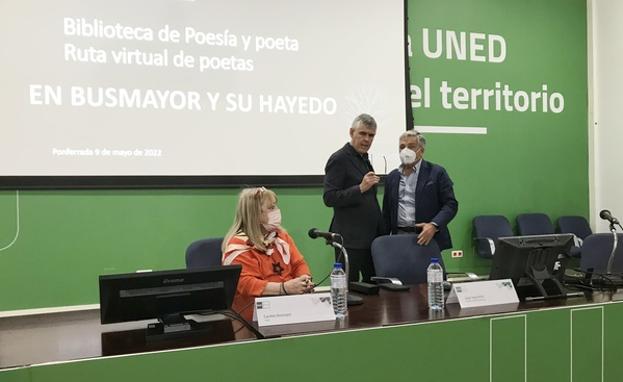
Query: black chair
[[204, 253], [486, 229], [596, 252], [401, 257], [579, 227], [534, 224]]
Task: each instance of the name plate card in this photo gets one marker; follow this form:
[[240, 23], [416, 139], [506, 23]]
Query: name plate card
[[294, 309], [483, 293]]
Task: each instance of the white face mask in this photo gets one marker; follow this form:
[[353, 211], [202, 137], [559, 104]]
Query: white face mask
[[407, 156], [274, 220]]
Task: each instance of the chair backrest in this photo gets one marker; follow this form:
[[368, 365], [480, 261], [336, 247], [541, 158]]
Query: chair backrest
[[486, 229], [204, 253], [400, 256], [596, 252], [534, 224], [576, 225]]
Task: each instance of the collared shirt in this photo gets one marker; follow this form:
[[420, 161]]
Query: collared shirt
[[365, 159], [406, 196]]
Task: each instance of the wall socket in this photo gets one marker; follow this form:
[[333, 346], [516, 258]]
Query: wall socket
[[458, 253]]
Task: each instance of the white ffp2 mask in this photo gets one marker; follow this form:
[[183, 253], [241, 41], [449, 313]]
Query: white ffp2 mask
[[274, 220], [407, 156]]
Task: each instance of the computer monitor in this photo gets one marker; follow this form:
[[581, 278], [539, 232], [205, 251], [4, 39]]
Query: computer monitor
[[167, 296], [534, 263]]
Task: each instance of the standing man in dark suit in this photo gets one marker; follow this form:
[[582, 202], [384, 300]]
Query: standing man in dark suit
[[419, 197], [350, 188]]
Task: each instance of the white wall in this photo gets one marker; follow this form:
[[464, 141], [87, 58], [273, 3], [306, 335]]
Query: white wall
[[606, 119]]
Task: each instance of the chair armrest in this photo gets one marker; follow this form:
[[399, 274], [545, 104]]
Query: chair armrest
[[485, 246]]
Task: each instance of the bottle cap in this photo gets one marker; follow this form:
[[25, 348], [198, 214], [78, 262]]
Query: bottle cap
[[434, 260], [338, 265]]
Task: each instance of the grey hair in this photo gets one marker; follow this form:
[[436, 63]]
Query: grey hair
[[421, 140], [365, 119]]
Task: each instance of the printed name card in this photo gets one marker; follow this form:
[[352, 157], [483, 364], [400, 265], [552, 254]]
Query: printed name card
[[294, 309], [483, 293]]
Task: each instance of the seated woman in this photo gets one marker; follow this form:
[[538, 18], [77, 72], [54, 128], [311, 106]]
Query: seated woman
[[271, 263]]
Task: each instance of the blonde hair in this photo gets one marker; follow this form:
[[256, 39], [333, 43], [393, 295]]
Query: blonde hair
[[247, 221]]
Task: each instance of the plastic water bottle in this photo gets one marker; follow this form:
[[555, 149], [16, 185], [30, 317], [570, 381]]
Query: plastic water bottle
[[339, 290], [434, 277]]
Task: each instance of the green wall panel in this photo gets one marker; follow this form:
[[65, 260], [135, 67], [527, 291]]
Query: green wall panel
[[508, 349], [419, 352], [532, 346], [16, 375], [587, 339], [549, 345], [613, 342]]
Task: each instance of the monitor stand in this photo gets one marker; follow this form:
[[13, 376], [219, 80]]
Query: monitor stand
[[136, 340], [539, 284], [176, 326]]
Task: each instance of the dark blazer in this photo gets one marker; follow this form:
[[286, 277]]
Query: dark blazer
[[434, 201], [356, 216]]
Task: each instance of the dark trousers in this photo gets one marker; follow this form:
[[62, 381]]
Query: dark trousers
[[360, 262]]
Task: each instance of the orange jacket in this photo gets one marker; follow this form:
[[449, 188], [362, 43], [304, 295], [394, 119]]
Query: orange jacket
[[258, 269]]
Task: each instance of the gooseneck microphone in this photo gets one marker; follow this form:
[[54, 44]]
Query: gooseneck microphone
[[314, 234], [606, 215]]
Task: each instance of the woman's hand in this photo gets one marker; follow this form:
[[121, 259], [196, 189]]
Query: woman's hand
[[301, 284]]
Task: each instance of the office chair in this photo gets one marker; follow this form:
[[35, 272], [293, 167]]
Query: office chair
[[596, 252], [400, 256], [534, 224], [204, 253], [486, 229], [579, 227]]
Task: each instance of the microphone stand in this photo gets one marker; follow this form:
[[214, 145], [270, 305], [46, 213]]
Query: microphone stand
[[614, 248], [351, 299]]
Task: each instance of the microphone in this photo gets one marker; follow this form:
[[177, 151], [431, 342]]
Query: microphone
[[330, 236], [606, 215]]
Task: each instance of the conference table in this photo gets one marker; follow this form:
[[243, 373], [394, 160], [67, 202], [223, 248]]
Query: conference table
[[391, 336]]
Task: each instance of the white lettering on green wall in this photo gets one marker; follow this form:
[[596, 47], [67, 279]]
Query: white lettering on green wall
[[462, 46]]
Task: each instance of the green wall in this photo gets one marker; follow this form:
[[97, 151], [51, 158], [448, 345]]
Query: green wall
[[528, 161], [68, 238]]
